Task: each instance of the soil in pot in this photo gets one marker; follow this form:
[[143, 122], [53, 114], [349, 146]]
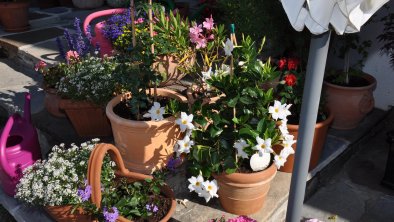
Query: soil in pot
[[354, 81]]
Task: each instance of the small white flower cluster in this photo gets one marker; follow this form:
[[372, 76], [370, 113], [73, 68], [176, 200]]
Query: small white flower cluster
[[207, 189], [222, 71], [55, 181], [186, 125]]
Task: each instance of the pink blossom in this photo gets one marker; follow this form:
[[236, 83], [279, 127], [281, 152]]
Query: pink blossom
[[195, 30], [208, 24], [40, 65], [201, 43], [194, 37], [72, 55], [139, 21], [211, 36]]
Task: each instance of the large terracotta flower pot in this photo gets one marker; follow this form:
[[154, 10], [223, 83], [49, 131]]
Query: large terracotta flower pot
[[145, 146], [94, 177], [88, 4], [319, 140], [14, 16], [87, 118], [169, 68], [63, 214], [51, 103], [350, 105], [244, 193]]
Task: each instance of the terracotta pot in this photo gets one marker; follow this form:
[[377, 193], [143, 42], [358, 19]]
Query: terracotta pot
[[87, 118], [168, 67], [88, 4], [244, 193], [319, 140], [350, 105], [63, 214], [51, 103], [94, 176], [145, 146], [14, 16]]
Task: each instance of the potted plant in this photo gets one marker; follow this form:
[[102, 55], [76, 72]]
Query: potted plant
[[54, 183], [14, 15], [88, 83], [169, 35], [130, 196], [349, 94], [231, 139], [290, 90]]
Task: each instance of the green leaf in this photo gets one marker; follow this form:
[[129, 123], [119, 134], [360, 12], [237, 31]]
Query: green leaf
[[248, 131], [215, 131], [246, 100], [231, 170], [233, 102], [260, 125]]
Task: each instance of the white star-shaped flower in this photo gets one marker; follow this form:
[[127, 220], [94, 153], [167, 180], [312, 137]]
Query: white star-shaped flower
[[279, 110], [185, 122], [156, 112], [287, 145], [240, 145], [263, 146], [210, 189], [207, 75], [283, 128], [228, 47], [196, 183], [184, 145], [280, 159]]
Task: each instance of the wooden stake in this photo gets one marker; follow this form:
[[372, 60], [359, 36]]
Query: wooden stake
[[151, 24], [132, 15]]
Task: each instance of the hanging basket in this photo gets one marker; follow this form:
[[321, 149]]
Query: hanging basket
[[94, 177]]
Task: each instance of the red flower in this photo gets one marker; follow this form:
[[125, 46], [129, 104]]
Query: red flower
[[282, 63], [40, 65], [290, 79], [292, 63]]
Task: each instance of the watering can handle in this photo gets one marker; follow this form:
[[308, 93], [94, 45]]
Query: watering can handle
[[94, 169], [27, 110], [100, 14], [3, 143]]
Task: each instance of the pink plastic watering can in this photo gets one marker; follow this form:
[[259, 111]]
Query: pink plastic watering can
[[104, 43], [19, 148]]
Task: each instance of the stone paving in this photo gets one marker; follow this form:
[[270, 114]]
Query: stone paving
[[346, 182]]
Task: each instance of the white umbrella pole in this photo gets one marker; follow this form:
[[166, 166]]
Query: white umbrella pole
[[310, 103]]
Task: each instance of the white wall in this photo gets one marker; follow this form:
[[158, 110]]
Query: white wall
[[376, 64]]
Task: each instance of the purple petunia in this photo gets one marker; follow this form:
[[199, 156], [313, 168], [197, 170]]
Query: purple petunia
[[152, 208], [85, 193], [110, 215]]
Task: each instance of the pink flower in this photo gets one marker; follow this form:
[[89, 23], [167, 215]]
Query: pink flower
[[139, 21], [40, 65], [208, 24], [72, 55], [211, 37], [196, 30], [194, 37], [201, 43]]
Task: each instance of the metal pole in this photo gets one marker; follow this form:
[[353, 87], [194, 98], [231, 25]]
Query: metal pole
[[310, 103]]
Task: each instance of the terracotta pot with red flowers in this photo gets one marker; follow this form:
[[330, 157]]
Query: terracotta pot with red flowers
[[290, 90]]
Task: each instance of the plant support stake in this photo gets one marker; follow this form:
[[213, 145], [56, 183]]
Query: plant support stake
[[310, 103]]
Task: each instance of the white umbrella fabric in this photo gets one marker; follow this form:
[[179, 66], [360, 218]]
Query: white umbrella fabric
[[344, 16]]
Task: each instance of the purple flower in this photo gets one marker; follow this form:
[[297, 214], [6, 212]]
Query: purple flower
[[155, 209], [115, 24], [173, 163], [85, 193], [110, 215], [242, 219], [151, 207], [148, 208]]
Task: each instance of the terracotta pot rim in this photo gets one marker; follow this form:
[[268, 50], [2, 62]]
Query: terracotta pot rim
[[14, 4], [75, 104], [139, 123], [368, 77], [240, 177], [318, 125]]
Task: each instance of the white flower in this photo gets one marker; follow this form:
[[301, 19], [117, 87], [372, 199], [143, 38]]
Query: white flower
[[240, 145], [196, 183], [210, 189], [241, 63], [228, 47], [224, 70], [277, 110], [283, 128], [207, 75], [263, 146], [185, 122], [184, 145], [287, 145], [156, 112], [280, 160]]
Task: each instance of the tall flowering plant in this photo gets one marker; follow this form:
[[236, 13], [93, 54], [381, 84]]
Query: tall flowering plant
[[235, 133]]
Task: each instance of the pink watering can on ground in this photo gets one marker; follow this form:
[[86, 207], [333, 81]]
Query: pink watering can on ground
[[19, 148], [104, 43]]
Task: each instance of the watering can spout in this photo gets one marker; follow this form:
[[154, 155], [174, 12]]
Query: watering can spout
[[27, 111]]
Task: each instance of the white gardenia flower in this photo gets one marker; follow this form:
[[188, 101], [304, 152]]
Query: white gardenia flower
[[185, 122], [263, 146], [196, 183], [228, 47], [240, 145], [207, 75], [184, 145], [156, 112], [210, 189], [280, 159]]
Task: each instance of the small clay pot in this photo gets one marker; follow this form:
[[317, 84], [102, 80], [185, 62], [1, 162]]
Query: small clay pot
[[63, 214]]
